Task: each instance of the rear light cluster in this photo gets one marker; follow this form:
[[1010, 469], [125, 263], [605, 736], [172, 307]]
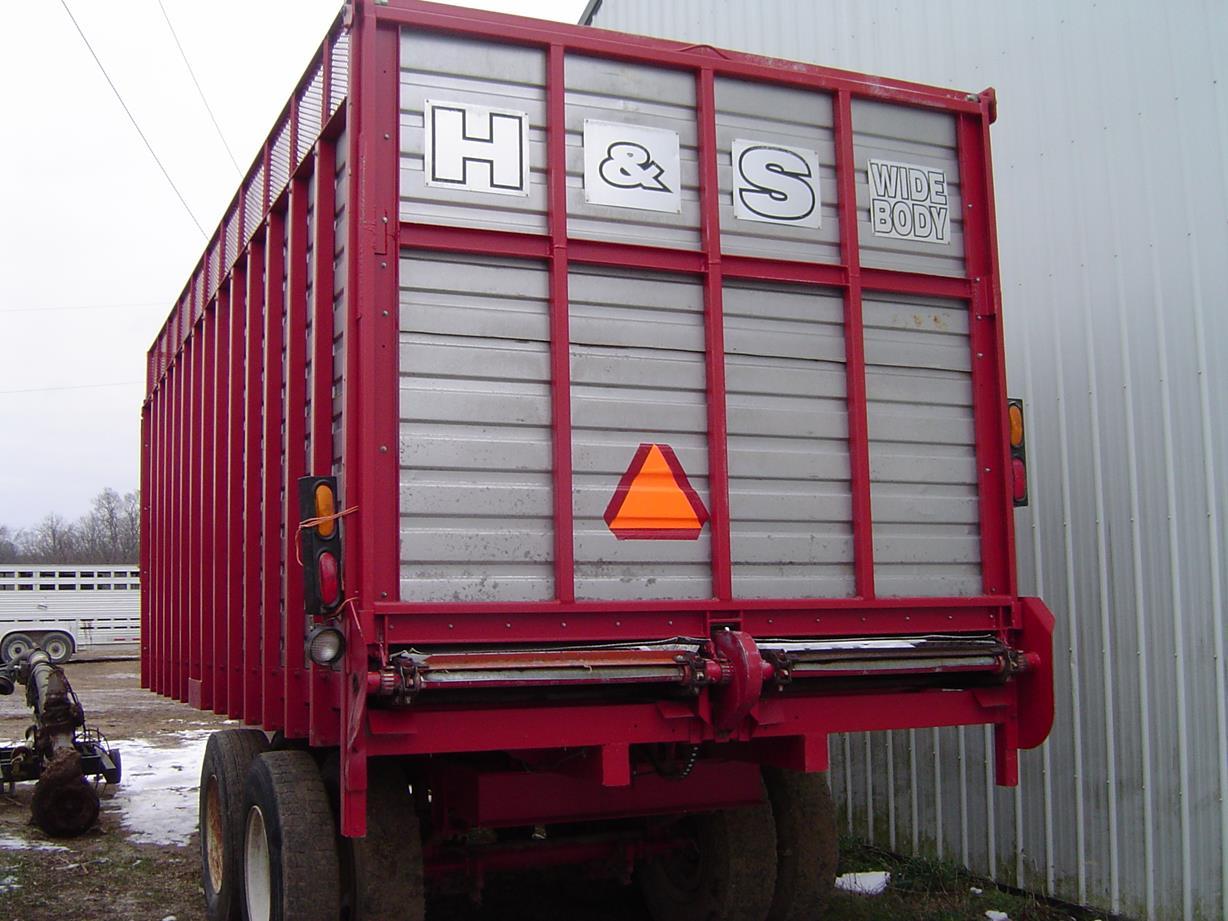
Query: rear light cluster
[[1019, 455], [323, 588]]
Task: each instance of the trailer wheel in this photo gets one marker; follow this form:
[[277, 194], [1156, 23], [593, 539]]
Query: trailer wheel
[[806, 844], [228, 755], [290, 867], [58, 647], [387, 863], [727, 872], [15, 646]]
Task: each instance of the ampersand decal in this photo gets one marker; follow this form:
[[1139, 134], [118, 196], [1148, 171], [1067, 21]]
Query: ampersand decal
[[630, 166]]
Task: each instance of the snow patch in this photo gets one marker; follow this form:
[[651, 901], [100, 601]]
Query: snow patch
[[997, 915], [8, 884], [14, 843], [872, 882], [157, 799]]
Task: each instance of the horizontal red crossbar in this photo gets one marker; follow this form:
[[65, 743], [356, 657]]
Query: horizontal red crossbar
[[426, 624], [422, 730]]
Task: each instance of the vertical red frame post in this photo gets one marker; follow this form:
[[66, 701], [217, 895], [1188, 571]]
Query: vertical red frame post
[[988, 355], [253, 467], [560, 324], [202, 640], [233, 673], [323, 718], [188, 534], [854, 348], [372, 410], [295, 460], [147, 449], [274, 419], [714, 337], [219, 611]]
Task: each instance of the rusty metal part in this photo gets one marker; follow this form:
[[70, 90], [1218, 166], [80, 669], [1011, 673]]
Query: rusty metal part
[[738, 668], [59, 750], [65, 804]]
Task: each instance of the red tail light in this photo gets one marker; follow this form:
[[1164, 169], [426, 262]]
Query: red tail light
[[329, 579], [1019, 481]]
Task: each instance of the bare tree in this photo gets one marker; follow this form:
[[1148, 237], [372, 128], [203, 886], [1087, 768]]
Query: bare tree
[[109, 533], [54, 540], [8, 545]]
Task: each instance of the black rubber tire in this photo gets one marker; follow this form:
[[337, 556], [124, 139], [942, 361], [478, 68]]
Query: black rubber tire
[[807, 848], [15, 641], [287, 811], [729, 875], [223, 774], [58, 646], [387, 864]]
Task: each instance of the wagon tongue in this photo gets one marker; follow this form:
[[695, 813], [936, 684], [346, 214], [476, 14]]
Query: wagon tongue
[[730, 658]]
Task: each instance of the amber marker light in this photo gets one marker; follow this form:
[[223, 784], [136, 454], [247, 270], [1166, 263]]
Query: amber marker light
[[1015, 411], [326, 508]]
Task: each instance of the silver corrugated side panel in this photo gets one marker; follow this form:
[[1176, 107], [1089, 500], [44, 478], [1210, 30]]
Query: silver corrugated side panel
[[790, 506], [477, 498], [637, 376], [1110, 162]]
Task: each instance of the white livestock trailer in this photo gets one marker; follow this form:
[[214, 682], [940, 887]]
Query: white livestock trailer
[[67, 608]]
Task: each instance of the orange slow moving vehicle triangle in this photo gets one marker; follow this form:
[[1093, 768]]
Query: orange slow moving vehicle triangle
[[655, 500]]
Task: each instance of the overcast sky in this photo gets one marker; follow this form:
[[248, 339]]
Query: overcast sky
[[94, 244]]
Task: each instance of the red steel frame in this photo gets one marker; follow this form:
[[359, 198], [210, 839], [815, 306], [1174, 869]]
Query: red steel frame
[[225, 427]]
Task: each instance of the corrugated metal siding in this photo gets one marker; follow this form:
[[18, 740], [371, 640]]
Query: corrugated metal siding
[[649, 98], [923, 477], [637, 375], [477, 500], [446, 68], [790, 503], [883, 131], [777, 115], [1112, 186]]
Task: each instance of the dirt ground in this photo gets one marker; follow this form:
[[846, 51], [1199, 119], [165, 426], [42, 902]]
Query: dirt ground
[[119, 870]]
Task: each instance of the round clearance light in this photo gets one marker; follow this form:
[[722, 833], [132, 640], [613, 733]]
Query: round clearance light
[[325, 645]]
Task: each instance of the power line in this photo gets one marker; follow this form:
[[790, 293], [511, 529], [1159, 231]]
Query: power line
[[183, 201], [71, 387], [52, 307], [199, 91]]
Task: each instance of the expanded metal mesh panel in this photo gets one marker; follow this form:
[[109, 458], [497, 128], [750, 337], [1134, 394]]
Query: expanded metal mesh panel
[[637, 376], [477, 500], [253, 207], [279, 160], [310, 115], [790, 502], [231, 250], [340, 71]]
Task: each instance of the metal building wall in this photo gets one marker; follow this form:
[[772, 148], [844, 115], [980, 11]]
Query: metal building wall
[[1111, 160]]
